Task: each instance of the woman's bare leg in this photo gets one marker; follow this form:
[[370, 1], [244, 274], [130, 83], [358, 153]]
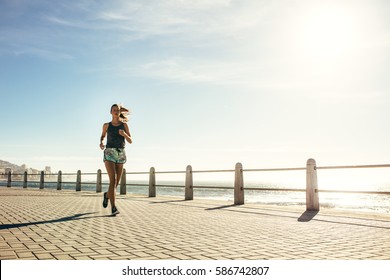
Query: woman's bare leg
[[118, 171], [111, 170]]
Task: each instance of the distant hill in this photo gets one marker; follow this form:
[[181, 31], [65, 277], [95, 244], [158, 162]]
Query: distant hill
[[15, 168], [6, 164]]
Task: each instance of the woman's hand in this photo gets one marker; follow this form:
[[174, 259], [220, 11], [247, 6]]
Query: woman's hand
[[102, 146], [127, 136]]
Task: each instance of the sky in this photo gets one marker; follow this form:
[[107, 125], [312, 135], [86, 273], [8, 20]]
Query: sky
[[209, 83]]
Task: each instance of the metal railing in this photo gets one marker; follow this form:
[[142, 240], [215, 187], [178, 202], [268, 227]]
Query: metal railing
[[312, 201]]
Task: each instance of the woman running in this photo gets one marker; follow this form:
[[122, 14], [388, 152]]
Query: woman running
[[117, 132]]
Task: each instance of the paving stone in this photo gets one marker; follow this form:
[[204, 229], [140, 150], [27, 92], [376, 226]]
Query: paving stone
[[64, 225]]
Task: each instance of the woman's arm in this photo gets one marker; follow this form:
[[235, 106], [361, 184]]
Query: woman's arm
[[104, 132], [126, 133]]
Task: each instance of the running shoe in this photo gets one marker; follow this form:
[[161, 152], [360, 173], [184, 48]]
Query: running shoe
[[114, 211], [105, 200]]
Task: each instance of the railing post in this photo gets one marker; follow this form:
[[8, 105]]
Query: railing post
[[312, 201], [42, 181], [189, 191], [99, 181], [123, 182], [59, 181], [9, 179], [25, 180], [78, 181], [152, 182], [238, 185]]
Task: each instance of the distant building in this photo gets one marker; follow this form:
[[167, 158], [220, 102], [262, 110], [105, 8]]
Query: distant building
[[7, 170], [32, 171], [47, 170], [18, 171]]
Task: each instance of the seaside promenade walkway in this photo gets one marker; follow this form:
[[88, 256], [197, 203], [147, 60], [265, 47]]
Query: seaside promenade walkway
[[51, 224]]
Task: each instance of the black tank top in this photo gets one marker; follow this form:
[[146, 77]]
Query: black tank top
[[114, 139]]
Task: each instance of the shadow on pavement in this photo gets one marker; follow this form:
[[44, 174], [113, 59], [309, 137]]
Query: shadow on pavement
[[221, 207], [167, 201], [64, 219], [307, 216]]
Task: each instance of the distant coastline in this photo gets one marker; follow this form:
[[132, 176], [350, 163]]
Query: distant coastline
[[6, 166]]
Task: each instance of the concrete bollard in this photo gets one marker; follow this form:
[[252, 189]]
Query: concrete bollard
[[238, 185], [59, 181], [312, 201], [99, 181], [189, 190], [123, 182], [152, 182], [25, 180], [78, 181], [9, 181], [42, 181]]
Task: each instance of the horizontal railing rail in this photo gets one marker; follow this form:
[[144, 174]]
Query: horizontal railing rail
[[169, 186], [276, 169], [354, 166], [312, 202], [357, 192], [275, 189], [212, 171], [214, 187]]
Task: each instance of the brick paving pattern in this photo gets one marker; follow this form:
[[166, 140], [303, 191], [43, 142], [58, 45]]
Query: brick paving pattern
[[69, 225]]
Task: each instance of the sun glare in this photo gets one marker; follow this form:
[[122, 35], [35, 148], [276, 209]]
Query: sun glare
[[328, 32]]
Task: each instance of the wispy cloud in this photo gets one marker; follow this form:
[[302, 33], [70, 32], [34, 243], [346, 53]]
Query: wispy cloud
[[183, 18], [45, 54], [64, 22], [224, 42], [241, 74], [172, 25]]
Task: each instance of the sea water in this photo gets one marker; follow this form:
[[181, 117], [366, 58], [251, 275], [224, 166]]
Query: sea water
[[352, 201]]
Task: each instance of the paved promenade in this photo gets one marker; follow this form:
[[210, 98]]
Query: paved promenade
[[51, 224]]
